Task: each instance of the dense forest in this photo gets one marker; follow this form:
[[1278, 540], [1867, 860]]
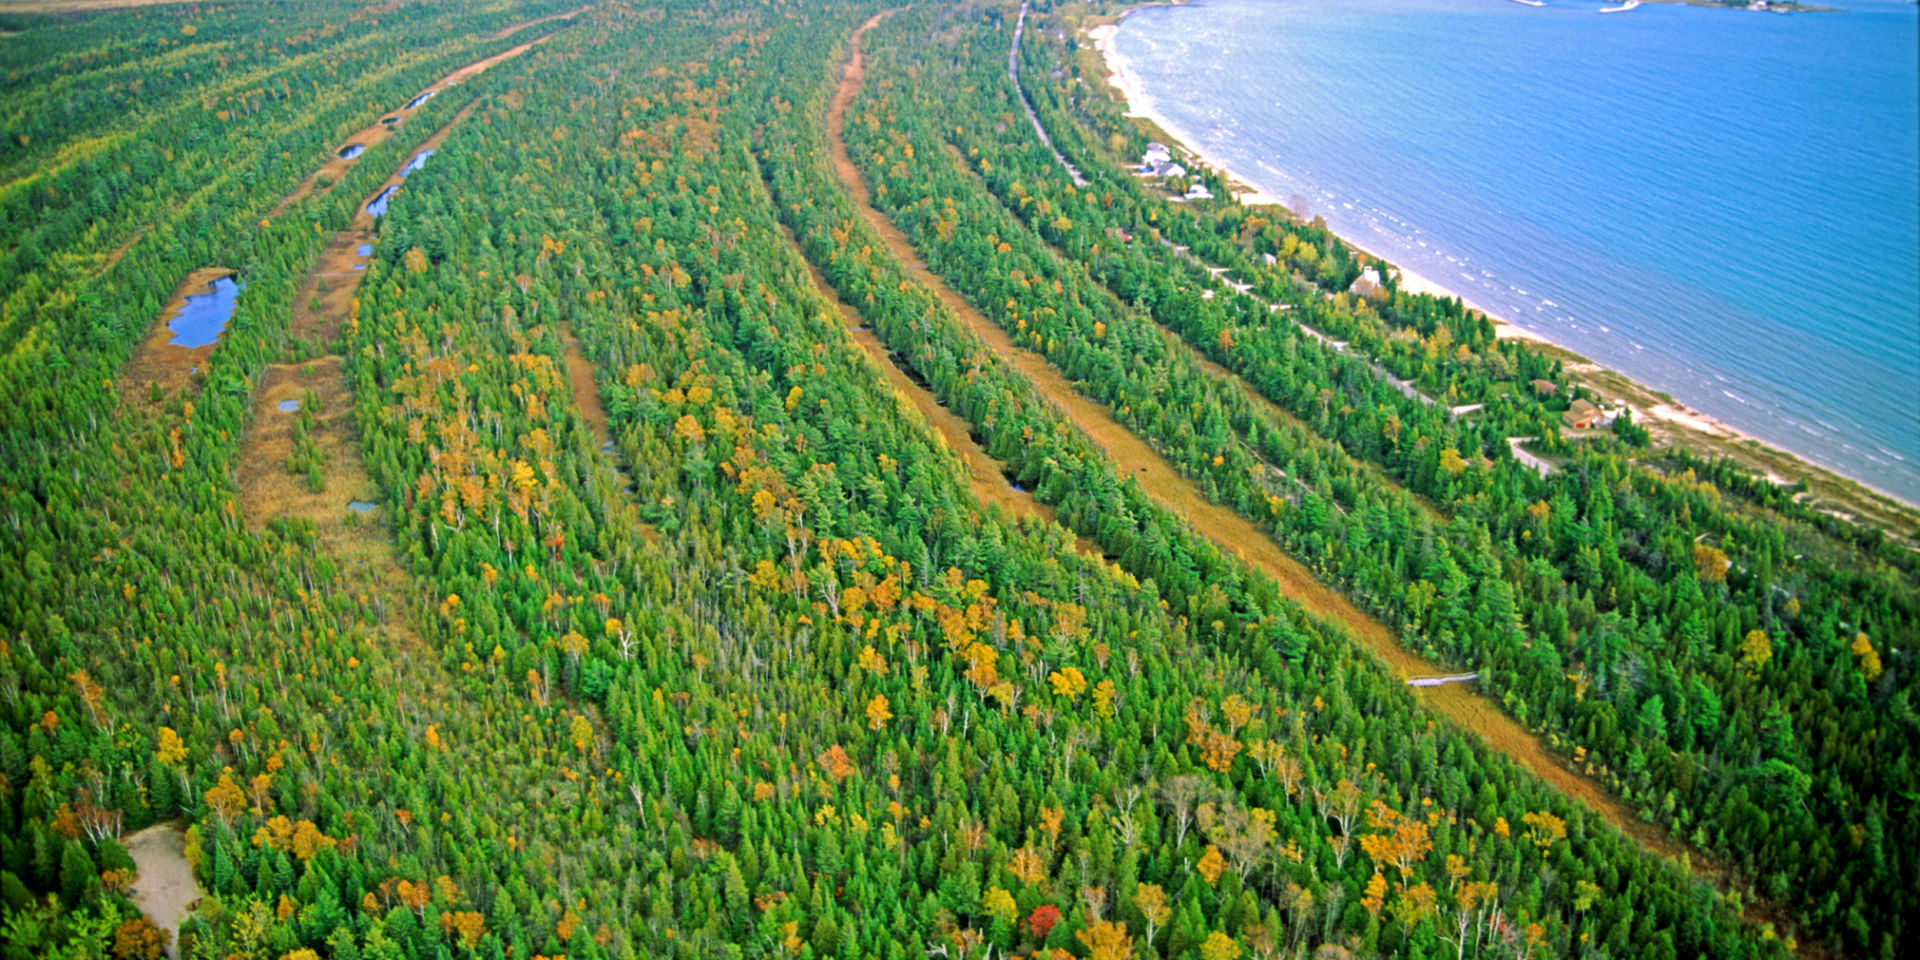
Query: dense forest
[[741, 399]]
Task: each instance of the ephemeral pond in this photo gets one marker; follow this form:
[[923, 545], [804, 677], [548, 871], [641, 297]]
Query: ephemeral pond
[[202, 316]]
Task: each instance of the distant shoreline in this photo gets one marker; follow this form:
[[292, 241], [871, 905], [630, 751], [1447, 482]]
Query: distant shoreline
[[1676, 422]]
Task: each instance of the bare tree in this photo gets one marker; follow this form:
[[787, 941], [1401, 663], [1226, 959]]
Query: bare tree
[[1181, 793], [1244, 835], [1342, 804]]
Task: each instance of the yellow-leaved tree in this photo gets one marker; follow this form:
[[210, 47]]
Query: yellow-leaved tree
[[170, 751], [1211, 865], [1068, 682], [1755, 651], [1869, 657], [1106, 940], [1151, 898], [1219, 946]]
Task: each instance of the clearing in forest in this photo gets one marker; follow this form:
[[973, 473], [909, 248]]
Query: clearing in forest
[[163, 885], [300, 458], [157, 362], [586, 392], [273, 481], [301, 455]]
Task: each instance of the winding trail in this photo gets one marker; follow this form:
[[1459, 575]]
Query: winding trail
[[1531, 460], [1232, 532], [1013, 71]]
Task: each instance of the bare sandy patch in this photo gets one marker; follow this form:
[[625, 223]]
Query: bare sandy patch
[[164, 887]]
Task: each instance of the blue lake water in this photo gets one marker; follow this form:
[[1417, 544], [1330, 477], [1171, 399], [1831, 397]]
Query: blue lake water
[[419, 160], [205, 315], [378, 206], [352, 150], [1723, 204]]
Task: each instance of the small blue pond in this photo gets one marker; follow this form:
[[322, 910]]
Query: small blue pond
[[419, 160], [204, 315], [423, 98], [379, 205], [352, 150], [361, 506], [288, 406], [390, 121], [365, 250]]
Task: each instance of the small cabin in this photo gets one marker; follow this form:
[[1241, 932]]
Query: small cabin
[[1581, 415], [1366, 283], [1545, 388], [1198, 191], [1156, 153]]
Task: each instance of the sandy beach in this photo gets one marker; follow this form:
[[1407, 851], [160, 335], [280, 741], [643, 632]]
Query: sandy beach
[[1669, 419], [1140, 105]]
